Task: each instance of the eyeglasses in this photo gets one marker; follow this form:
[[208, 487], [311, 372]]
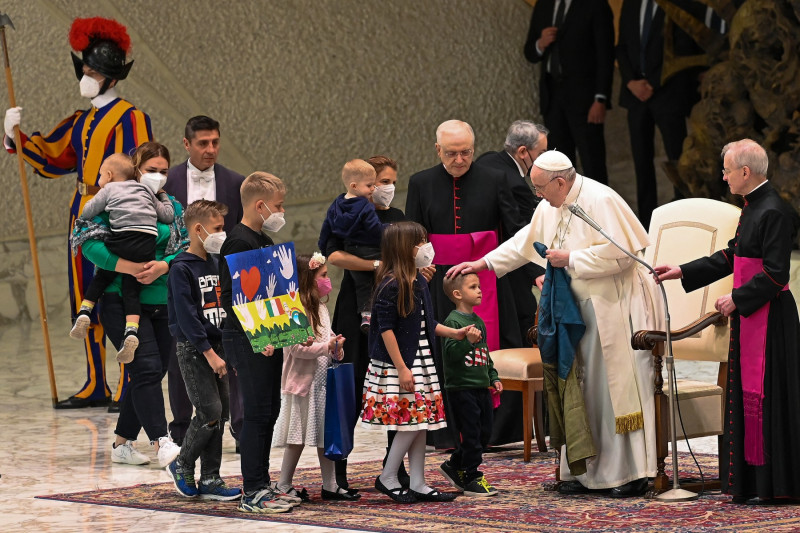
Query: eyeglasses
[[463, 153], [540, 190], [727, 171]]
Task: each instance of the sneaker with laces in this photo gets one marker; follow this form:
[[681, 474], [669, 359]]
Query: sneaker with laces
[[128, 455], [216, 489], [292, 499], [182, 479], [129, 345], [479, 487], [167, 451], [455, 477], [80, 328], [264, 501]]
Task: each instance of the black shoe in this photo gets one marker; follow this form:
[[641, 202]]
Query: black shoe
[[572, 487], [433, 496], [451, 474], [400, 495], [73, 402], [634, 488], [113, 407], [340, 494]]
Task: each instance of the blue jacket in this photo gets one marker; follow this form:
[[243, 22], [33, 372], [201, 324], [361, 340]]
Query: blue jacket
[[561, 326], [353, 220], [194, 309], [406, 329]]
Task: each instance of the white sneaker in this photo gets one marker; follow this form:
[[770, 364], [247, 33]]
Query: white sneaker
[[128, 455], [168, 451], [80, 328], [282, 496], [128, 350]]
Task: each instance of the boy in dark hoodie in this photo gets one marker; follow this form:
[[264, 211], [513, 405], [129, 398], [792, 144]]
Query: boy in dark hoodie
[[352, 218], [195, 316]]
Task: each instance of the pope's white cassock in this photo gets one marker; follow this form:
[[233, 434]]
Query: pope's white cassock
[[617, 297]]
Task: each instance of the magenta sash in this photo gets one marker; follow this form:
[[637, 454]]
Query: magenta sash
[[452, 249], [752, 362]]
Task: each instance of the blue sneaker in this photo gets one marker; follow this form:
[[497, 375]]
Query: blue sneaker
[[183, 480], [216, 489]]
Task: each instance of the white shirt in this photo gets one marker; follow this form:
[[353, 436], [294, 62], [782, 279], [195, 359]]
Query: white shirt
[[204, 188], [641, 14]]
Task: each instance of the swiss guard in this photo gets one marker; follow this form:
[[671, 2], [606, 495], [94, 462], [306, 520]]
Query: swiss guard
[[79, 144]]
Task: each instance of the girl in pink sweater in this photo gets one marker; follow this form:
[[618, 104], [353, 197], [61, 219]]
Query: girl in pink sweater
[[302, 418]]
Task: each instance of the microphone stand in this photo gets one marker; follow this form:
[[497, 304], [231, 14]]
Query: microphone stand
[[676, 493]]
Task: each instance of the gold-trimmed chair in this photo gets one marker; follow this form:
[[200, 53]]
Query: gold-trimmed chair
[[681, 231]]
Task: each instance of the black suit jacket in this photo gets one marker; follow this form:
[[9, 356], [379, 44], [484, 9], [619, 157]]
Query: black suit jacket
[[678, 93], [518, 186], [227, 181], [586, 49]]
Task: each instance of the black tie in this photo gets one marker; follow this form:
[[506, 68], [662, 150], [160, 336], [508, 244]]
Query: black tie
[[646, 24], [555, 62]]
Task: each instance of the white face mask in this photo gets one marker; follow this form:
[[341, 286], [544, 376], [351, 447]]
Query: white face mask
[[89, 86], [424, 256], [213, 243], [154, 181], [273, 223], [383, 195]]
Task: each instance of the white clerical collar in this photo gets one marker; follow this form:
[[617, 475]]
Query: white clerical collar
[[102, 100], [193, 168], [521, 173]]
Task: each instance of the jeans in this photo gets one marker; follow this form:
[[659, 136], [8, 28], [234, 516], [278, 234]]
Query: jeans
[[260, 390], [209, 395], [143, 404], [472, 415]]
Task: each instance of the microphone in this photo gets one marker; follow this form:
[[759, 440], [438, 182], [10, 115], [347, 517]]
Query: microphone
[[578, 210]]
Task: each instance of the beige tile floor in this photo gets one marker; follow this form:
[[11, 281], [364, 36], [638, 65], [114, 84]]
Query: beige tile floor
[[44, 451]]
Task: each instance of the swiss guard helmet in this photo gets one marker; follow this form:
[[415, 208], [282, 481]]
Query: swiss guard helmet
[[104, 45]]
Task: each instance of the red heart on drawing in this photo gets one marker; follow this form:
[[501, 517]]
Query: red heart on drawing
[[250, 280]]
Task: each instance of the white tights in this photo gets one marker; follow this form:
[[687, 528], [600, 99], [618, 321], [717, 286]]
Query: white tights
[[291, 456], [413, 443]]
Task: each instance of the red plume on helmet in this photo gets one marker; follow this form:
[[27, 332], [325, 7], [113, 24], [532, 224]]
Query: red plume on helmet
[[104, 44], [84, 31]]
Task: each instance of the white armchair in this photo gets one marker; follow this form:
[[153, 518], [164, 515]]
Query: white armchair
[[680, 232]]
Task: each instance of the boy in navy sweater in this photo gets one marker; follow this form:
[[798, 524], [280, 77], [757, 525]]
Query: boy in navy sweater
[[352, 218], [195, 316]]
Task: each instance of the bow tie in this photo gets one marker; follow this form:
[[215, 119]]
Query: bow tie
[[202, 177]]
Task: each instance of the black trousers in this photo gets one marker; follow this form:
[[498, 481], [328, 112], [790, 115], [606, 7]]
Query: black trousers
[[260, 391], [643, 117], [472, 414], [134, 246], [143, 404], [569, 130], [364, 280]]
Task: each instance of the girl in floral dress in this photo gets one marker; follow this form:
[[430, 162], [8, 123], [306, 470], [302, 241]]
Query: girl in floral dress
[[302, 418], [402, 390]]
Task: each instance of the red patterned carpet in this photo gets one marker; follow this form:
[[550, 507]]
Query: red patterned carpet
[[522, 505]]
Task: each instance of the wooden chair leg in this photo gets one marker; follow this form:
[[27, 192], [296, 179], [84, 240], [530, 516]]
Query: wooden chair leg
[[538, 421], [527, 419]]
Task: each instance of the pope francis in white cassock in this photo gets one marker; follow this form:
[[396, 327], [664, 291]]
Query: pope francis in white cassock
[[616, 297]]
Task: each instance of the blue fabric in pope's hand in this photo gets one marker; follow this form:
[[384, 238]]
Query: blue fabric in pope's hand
[[560, 326]]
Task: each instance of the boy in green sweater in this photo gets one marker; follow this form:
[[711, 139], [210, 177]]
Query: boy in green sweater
[[469, 376]]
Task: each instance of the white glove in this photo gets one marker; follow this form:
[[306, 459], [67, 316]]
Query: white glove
[[13, 118]]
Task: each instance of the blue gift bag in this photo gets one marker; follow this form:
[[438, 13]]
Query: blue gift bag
[[340, 411]]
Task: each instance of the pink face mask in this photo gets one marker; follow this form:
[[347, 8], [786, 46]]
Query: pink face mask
[[324, 286]]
